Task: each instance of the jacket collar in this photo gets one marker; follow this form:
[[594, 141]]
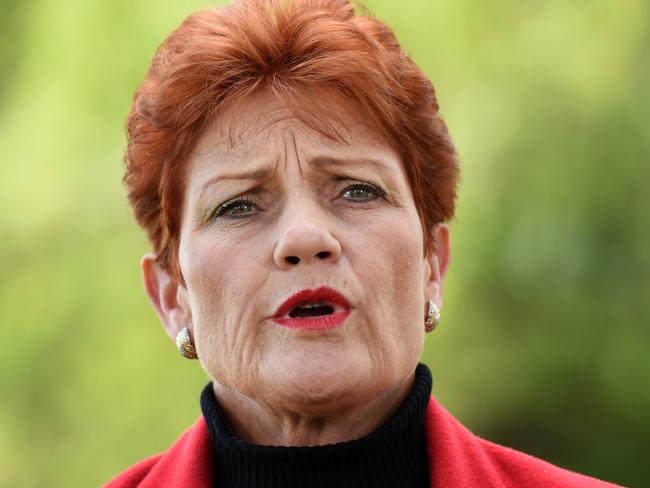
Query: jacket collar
[[186, 464], [456, 456]]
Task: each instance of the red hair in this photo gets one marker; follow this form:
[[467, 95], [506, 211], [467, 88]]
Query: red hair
[[218, 57]]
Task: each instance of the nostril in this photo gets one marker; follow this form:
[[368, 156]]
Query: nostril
[[296, 259]]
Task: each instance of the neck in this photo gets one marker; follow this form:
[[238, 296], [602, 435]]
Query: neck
[[395, 454], [307, 425]]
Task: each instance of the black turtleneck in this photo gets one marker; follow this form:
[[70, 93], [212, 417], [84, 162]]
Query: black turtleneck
[[392, 456]]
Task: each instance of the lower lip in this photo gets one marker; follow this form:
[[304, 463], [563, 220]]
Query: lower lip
[[314, 323]]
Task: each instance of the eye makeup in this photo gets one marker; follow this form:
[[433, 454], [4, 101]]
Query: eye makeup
[[351, 190]]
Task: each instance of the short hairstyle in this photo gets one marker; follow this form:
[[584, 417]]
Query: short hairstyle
[[218, 57]]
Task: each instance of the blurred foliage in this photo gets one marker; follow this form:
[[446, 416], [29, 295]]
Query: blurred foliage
[[544, 342]]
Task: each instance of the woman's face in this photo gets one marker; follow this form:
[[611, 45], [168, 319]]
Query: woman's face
[[273, 208]]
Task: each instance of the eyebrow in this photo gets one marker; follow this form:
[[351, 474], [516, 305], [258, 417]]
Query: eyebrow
[[319, 162], [254, 175], [323, 161]]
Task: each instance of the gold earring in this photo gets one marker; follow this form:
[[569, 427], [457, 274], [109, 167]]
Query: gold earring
[[432, 318], [185, 345]]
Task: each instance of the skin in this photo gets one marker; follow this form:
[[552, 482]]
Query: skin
[[307, 224]]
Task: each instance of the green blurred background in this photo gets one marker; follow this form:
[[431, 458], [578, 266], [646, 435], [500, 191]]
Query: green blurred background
[[544, 340]]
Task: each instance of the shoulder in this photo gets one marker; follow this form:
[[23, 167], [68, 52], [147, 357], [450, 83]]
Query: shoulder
[[187, 463], [134, 475], [519, 469], [457, 457]]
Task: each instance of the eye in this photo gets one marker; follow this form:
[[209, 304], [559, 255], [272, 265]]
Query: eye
[[235, 209], [362, 192]]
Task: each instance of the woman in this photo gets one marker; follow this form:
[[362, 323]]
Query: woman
[[289, 164]]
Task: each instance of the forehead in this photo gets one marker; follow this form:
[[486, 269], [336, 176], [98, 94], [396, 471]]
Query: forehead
[[263, 125]]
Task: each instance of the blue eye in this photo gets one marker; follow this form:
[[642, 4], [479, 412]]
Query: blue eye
[[235, 209], [362, 192]]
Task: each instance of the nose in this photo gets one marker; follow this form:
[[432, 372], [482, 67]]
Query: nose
[[305, 242]]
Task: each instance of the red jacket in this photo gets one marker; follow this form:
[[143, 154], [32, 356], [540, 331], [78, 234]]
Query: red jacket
[[457, 458]]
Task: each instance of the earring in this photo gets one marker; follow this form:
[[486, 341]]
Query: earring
[[185, 345], [432, 318]]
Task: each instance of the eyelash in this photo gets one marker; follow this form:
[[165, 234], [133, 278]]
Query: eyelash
[[230, 205], [363, 185]]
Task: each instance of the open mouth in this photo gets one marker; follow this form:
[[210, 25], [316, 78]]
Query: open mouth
[[311, 310], [322, 308]]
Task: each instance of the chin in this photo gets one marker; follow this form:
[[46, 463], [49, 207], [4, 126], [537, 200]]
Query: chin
[[319, 378]]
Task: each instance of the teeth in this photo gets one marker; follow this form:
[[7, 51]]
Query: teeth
[[313, 305]]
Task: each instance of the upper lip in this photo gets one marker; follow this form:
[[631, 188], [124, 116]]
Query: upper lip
[[323, 294]]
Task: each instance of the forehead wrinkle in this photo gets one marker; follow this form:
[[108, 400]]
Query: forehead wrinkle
[[256, 128], [275, 169], [221, 143], [284, 152], [295, 151], [235, 133]]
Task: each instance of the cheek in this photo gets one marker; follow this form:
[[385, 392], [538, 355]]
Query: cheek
[[220, 273], [392, 256], [222, 278], [388, 259], [406, 329], [206, 273]]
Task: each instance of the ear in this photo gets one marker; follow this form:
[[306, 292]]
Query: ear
[[168, 297], [436, 264]]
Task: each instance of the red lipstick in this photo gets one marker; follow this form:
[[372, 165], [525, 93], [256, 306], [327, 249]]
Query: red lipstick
[[322, 308]]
